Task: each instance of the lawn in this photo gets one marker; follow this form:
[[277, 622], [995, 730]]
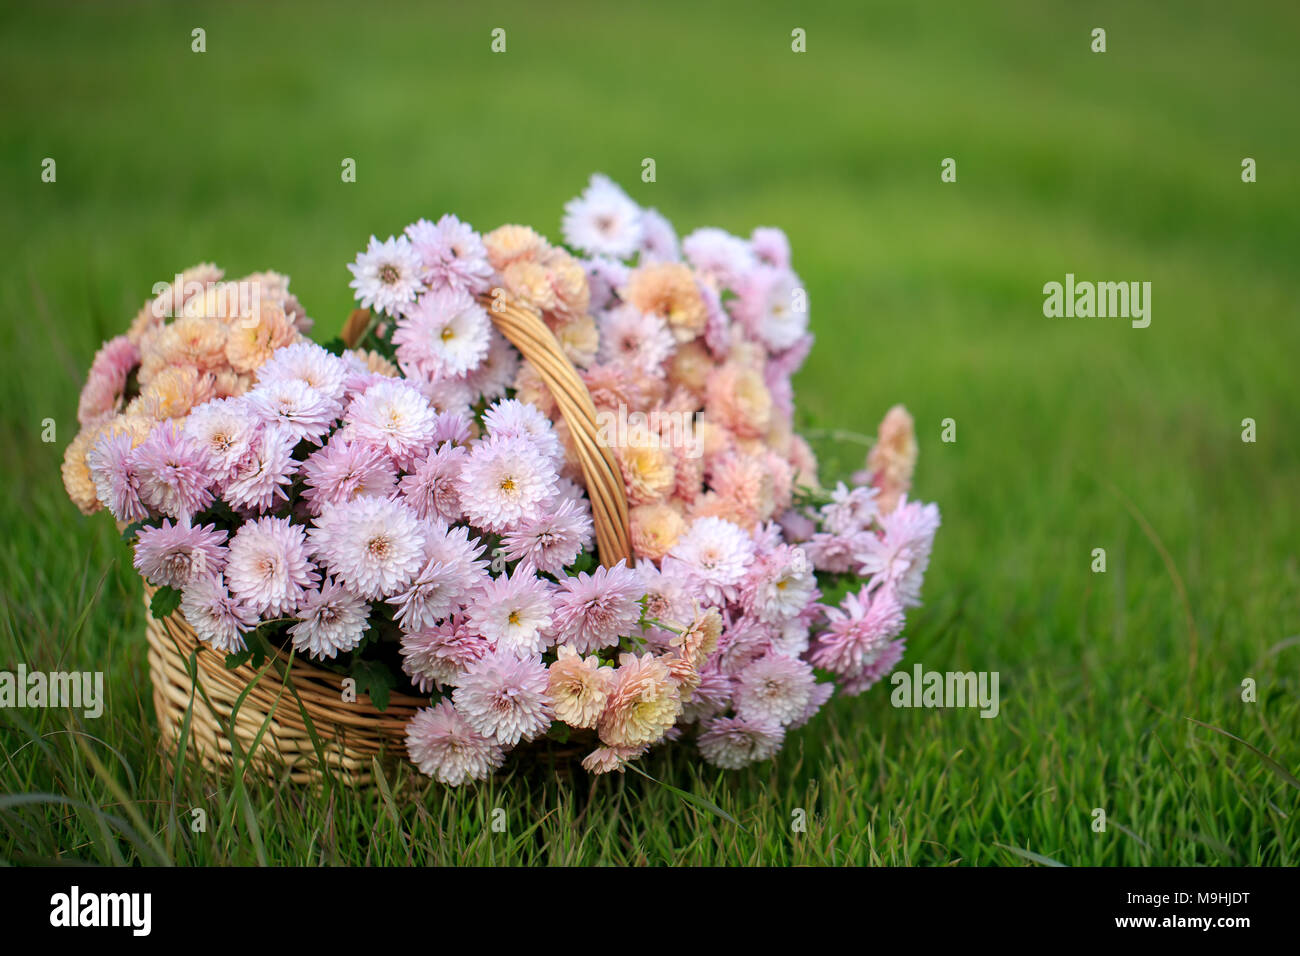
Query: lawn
[[1120, 691]]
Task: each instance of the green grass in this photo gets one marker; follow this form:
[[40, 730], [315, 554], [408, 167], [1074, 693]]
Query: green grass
[[1071, 434]]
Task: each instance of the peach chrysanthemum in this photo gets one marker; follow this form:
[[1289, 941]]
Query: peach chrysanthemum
[[643, 703], [608, 759], [745, 480], [579, 338], [804, 463], [531, 282], [655, 529], [713, 505], [648, 471], [668, 290], [531, 390], [892, 459], [568, 284], [738, 399], [375, 363], [689, 367], [76, 473], [701, 636], [509, 244], [174, 391], [251, 342], [578, 687], [190, 340]]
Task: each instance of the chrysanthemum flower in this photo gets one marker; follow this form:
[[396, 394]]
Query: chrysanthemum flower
[[394, 416], [668, 290], [503, 481], [711, 696], [644, 702], [892, 458], [344, 470], [604, 760], [216, 617], [444, 746], [605, 276], [253, 339], [504, 697], [439, 656], [310, 364], [173, 473], [452, 575], [780, 584], [552, 539], [452, 255], [172, 554], [773, 689], [732, 743], [295, 406], [655, 529], [603, 220], [267, 566], [224, 428], [515, 613], [858, 632], [642, 342], [899, 556], [330, 620], [718, 552], [671, 596], [117, 483], [817, 698], [497, 370], [658, 238], [849, 510], [772, 306], [511, 418], [737, 398], [648, 470], [374, 546], [106, 382], [770, 246], [594, 610], [264, 470], [386, 276], [445, 334], [578, 687], [724, 258]]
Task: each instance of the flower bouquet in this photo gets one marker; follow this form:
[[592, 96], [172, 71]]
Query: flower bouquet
[[534, 494]]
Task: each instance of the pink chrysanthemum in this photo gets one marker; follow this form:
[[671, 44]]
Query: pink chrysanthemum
[[452, 254], [837, 553], [515, 613], [440, 655], [444, 335], [605, 276], [387, 275], [496, 372], [732, 743], [711, 696], [394, 416], [817, 698], [344, 470], [773, 690], [670, 597], [858, 632], [604, 760], [106, 381], [900, 555], [330, 620], [444, 746], [594, 610], [225, 429], [719, 255], [172, 554], [374, 546], [117, 485], [772, 306], [639, 341], [173, 473], [310, 364], [718, 552], [504, 697], [296, 407], [267, 566], [451, 576], [511, 418], [431, 489], [849, 510], [771, 246], [216, 617], [659, 241], [264, 471], [551, 540], [503, 481]]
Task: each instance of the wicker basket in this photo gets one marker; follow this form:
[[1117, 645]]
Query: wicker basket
[[279, 707]]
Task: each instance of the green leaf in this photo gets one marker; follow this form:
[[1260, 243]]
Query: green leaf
[[583, 562], [374, 678], [335, 346], [131, 530], [559, 731], [165, 601], [234, 660]]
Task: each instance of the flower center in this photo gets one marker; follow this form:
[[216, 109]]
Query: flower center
[[388, 274]]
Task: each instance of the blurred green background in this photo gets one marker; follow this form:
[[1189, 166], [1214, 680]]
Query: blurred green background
[[1072, 434]]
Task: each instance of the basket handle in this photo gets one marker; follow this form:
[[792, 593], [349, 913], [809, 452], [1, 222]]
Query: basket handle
[[524, 328]]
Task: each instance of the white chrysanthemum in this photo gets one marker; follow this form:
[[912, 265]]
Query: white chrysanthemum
[[330, 620], [503, 481], [387, 275], [309, 363], [603, 221], [445, 334], [267, 566], [717, 552], [443, 745], [394, 416], [372, 545], [774, 689], [510, 418], [514, 613]]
